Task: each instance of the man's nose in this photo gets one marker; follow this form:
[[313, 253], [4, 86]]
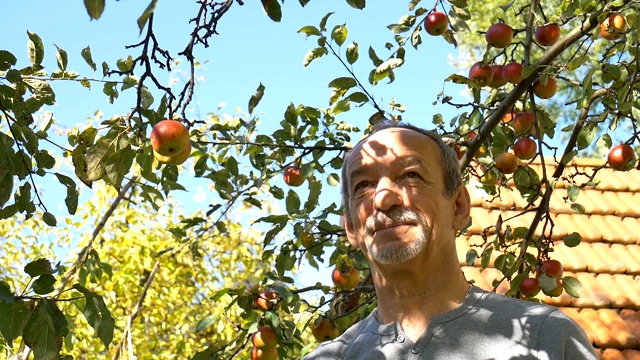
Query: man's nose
[[387, 195]]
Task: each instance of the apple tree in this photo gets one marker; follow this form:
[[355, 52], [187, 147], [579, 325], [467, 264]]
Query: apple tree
[[527, 95]]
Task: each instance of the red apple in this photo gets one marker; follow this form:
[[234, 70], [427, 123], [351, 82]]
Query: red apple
[[436, 23], [622, 157], [481, 73], [169, 137], [264, 354], [267, 300], [345, 278], [613, 27], [498, 79], [507, 163], [293, 176], [525, 148], [512, 72], [509, 116], [176, 159], [499, 35], [547, 35], [529, 287], [552, 268], [324, 329], [523, 122], [344, 302], [264, 338], [545, 91]]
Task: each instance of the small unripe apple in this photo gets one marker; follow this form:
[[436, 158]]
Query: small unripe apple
[[545, 91], [176, 159], [498, 79], [345, 278], [525, 148], [613, 27], [436, 23], [481, 73], [264, 338], [557, 291], [499, 35], [169, 137], [293, 176], [488, 177], [547, 35], [622, 157], [512, 72], [529, 287], [507, 163], [267, 300], [324, 329], [264, 354], [523, 122]]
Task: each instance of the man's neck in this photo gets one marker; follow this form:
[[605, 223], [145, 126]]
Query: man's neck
[[413, 299]]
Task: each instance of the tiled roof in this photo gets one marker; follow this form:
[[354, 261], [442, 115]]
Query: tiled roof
[[607, 261]]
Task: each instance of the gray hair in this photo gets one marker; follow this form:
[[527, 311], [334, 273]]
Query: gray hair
[[451, 171]]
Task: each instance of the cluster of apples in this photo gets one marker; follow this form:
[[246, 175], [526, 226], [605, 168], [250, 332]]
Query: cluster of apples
[[553, 270], [265, 340], [345, 279], [170, 142]]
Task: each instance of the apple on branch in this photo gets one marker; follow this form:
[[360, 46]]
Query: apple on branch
[[293, 176], [525, 148], [613, 27], [436, 23], [499, 35], [622, 157], [547, 35], [481, 73]]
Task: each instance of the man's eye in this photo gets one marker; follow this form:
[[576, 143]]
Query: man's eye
[[412, 175], [362, 185]]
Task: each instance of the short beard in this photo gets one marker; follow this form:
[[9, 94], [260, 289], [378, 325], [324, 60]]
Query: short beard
[[396, 254]]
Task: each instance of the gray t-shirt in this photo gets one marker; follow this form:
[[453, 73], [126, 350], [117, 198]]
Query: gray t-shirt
[[484, 326]]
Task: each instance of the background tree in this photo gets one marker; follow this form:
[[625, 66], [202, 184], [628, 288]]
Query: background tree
[[593, 63]]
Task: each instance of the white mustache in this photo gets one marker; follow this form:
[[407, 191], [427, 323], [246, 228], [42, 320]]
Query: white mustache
[[395, 216]]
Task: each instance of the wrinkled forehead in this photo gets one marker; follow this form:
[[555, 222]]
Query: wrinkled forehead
[[394, 146]]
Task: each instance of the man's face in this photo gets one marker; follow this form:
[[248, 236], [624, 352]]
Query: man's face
[[396, 196]]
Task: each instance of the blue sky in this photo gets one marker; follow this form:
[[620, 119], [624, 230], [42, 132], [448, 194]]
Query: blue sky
[[251, 49]]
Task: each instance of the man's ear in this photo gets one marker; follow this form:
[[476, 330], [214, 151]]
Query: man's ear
[[350, 230], [462, 208]]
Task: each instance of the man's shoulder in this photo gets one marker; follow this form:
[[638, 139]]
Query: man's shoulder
[[335, 348], [508, 305]]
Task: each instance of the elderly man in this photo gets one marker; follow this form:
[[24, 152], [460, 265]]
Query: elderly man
[[404, 203]]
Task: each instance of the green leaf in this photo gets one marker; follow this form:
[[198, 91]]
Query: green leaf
[[572, 286], [573, 192], [292, 202], [206, 323], [72, 193], [49, 219], [7, 60], [323, 22], [339, 34], [39, 267], [352, 53], [358, 97], [44, 284], [357, 4], [471, 256], [310, 30], [62, 58], [572, 240], [6, 294], [35, 48], [586, 135], [118, 165], [486, 257], [333, 179], [345, 82], [40, 332], [314, 54], [94, 8], [577, 62], [232, 166], [14, 318], [527, 182], [272, 9], [42, 91], [97, 314], [86, 55], [578, 208], [341, 106], [255, 98], [142, 20]]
